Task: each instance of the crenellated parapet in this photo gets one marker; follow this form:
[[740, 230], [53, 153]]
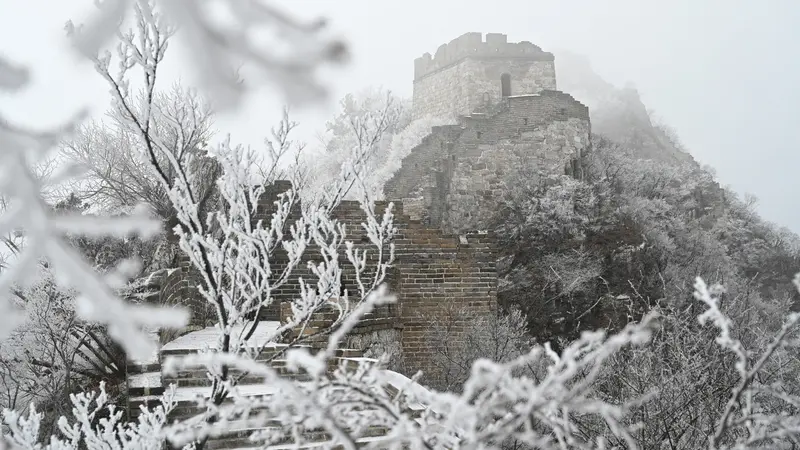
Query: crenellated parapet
[[471, 73], [472, 45]]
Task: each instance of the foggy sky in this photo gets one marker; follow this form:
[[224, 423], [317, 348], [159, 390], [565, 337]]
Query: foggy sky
[[724, 74]]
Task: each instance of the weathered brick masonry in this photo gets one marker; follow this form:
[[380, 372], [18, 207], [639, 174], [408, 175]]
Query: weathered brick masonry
[[455, 178], [465, 74], [430, 269], [436, 270], [511, 120]]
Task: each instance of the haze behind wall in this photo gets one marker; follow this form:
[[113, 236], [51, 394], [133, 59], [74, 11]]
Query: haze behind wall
[[722, 73]]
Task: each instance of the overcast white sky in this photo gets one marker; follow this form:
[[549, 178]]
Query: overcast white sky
[[724, 73]]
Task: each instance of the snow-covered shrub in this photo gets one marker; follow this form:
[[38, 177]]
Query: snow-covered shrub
[[497, 403]]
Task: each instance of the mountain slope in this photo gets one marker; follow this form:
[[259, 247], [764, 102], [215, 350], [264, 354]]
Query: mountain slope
[[618, 113]]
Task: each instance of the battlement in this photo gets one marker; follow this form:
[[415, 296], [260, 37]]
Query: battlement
[[472, 45]]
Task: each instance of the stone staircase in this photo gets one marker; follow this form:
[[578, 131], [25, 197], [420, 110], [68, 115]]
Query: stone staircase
[[146, 382]]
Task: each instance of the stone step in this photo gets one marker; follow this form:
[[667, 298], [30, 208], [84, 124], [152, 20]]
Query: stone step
[[235, 436], [239, 439], [228, 443], [148, 401], [268, 352], [185, 410], [234, 439], [146, 383], [205, 382], [187, 407], [200, 372], [145, 391], [198, 378]]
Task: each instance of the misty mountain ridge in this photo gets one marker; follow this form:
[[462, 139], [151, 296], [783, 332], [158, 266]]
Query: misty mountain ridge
[[636, 231], [618, 113]]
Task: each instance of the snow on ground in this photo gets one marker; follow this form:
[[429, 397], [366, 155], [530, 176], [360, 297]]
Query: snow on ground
[[207, 337], [364, 440], [153, 357], [149, 379], [246, 390], [403, 383]]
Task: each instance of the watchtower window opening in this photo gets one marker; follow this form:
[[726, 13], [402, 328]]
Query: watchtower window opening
[[505, 84]]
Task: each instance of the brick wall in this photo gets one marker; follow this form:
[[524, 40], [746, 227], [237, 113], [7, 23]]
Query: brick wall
[[180, 288], [430, 268], [352, 216], [438, 269], [459, 174], [465, 74]]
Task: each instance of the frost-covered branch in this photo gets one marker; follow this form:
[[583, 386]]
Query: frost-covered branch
[[743, 422], [231, 249], [97, 424], [29, 213], [223, 45]]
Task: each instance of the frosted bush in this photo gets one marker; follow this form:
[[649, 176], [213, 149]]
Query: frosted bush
[[497, 403]]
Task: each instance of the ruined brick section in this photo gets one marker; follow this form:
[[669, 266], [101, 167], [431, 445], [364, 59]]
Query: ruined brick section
[[279, 261], [437, 270], [180, 288], [325, 318], [430, 268], [456, 178], [352, 216], [465, 75], [427, 154]]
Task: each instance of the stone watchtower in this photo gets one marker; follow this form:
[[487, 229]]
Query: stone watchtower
[[469, 74], [510, 122]]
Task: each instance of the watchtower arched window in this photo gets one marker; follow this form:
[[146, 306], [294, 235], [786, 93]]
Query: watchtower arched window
[[505, 84]]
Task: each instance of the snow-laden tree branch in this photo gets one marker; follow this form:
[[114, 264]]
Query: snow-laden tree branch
[[117, 179], [744, 421], [231, 251], [28, 212], [222, 46], [97, 424], [557, 406]]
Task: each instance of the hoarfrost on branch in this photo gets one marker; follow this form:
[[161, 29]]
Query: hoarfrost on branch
[[497, 403]]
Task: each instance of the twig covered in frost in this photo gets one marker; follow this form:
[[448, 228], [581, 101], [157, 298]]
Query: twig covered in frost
[[27, 211], [97, 424], [741, 424], [234, 254], [222, 45]]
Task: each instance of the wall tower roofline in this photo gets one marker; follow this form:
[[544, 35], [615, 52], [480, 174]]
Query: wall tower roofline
[[472, 45]]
